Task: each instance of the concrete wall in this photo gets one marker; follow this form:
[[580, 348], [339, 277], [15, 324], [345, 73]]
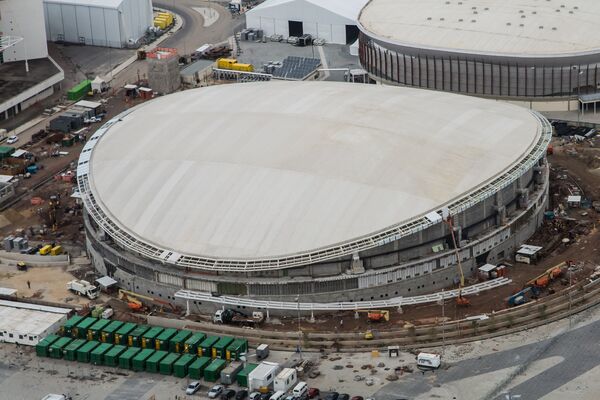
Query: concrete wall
[[24, 18]]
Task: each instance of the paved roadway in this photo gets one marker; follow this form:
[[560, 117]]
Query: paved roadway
[[532, 371]]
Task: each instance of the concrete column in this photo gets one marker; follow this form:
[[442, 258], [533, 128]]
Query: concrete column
[[523, 197]]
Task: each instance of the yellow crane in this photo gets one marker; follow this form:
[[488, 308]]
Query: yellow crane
[[376, 315], [460, 300]]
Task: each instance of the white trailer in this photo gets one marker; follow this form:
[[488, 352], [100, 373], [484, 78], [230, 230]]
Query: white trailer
[[83, 288], [263, 375], [285, 379]]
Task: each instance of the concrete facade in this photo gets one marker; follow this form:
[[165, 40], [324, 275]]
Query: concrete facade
[[25, 19]]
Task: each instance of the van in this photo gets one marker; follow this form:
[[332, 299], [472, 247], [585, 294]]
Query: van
[[300, 390], [278, 395]]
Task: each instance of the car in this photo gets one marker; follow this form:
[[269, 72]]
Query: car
[[227, 394], [192, 387], [357, 398], [332, 396], [241, 395], [215, 391], [313, 392], [254, 396], [12, 139], [343, 396], [266, 396]]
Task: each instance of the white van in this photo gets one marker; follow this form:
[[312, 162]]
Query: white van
[[278, 395], [300, 390]]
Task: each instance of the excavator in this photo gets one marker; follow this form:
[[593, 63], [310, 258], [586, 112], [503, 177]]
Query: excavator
[[376, 315], [134, 303], [460, 300]]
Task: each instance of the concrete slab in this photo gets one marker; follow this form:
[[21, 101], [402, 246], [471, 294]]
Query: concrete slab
[[14, 79]]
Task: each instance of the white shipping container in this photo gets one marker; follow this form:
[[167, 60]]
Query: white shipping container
[[285, 379]]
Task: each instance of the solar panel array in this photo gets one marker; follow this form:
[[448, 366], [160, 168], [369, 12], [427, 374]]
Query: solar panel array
[[296, 68]]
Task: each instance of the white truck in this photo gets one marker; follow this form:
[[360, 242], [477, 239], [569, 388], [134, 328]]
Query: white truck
[[83, 288]]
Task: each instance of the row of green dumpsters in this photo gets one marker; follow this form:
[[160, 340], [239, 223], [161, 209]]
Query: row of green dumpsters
[[153, 337], [137, 359]]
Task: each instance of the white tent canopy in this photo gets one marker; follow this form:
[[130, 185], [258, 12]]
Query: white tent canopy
[[332, 20]]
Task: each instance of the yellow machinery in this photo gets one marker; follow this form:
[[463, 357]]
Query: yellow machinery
[[460, 300], [45, 250], [133, 300], [56, 250], [376, 315], [233, 65]]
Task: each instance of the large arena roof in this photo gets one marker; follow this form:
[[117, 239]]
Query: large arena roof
[[507, 27], [259, 171]]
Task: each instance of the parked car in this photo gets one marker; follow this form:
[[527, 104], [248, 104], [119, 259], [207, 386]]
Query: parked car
[[357, 398], [254, 396], [192, 387], [290, 397], [12, 139], [343, 396], [313, 392], [228, 394], [266, 396], [215, 391], [332, 396], [241, 395]]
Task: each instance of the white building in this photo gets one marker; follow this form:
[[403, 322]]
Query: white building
[[263, 375], [332, 20], [27, 324], [23, 19], [110, 23], [285, 379]]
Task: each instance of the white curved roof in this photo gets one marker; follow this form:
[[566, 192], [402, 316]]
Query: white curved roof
[[510, 27], [267, 169]]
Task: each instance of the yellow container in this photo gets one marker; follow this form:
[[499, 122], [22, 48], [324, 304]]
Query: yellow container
[[56, 250], [243, 67], [167, 16], [160, 23], [226, 63], [45, 250]]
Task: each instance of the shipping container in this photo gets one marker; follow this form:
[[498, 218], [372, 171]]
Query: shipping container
[[191, 345], [205, 348], [163, 340], [6, 151], [111, 358], [70, 352], [166, 365], [149, 337], [180, 368], [134, 338], [97, 355], [56, 349], [41, 349], [177, 341], [108, 333], [80, 330], [242, 376], [219, 349], [93, 332], [229, 373], [212, 373], [236, 348], [83, 353], [65, 330], [80, 90], [196, 369], [153, 363], [126, 357], [139, 361], [123, 332]]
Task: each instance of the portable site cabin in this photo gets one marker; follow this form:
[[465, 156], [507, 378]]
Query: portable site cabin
[[428, 361], [263, 375], [527, 254], [285, 379]]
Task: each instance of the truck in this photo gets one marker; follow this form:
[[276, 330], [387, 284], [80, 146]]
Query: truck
[[234, 317], [83, 288]]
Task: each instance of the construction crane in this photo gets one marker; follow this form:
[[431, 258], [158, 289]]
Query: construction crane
[[460, 299], [544, 279], [376, 315], [133, 300]]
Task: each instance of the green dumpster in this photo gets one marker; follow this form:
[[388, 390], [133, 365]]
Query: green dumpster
[[79, 91], [153, 363], [235, 349], [139, 361], [56, 349], [70, 352], [220, 348], [196, 369], [83, 353], [163, 340], [126, 357], [93, 332], [205, 348], [80, 330], [107, 335], [176, 343], [213, 371], [166, 364], [41, 349], [242, 376], [123, 332], [97, 355], [111, 358], [149, 337], [180, 368], [65, 330], [191, 344], [134, 338], [6, 151]]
